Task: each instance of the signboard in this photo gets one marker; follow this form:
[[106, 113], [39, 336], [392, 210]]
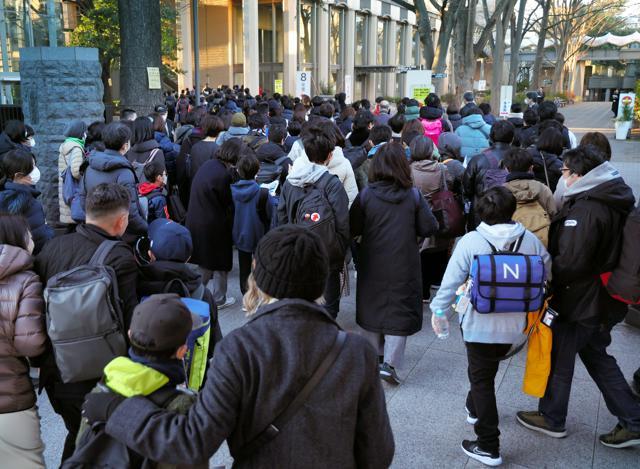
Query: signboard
[[480, 85], [348, 88], [506, 93], [277, 87], [153, 73], [625, 99], [419, 84], [303, 83], [439, 75]]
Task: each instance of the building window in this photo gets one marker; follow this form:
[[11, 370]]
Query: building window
[[381, 49], [361, 39], [306, 31]]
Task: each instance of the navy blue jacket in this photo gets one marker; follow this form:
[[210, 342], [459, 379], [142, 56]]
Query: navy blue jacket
[[21, 199], [250, 222]]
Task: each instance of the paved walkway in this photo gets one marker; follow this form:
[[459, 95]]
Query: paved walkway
[[427, 410]]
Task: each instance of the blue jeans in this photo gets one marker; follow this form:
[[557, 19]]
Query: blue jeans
[[588, 339]]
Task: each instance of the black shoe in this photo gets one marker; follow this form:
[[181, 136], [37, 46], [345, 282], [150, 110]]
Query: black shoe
[[388, 373], [620, 437], [474, 451]]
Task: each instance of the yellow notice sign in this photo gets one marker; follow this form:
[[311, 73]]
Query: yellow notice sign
[[420, 92], [277, 87], [153, 73]]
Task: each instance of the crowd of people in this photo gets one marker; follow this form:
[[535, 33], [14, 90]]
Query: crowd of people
[[412, 195]]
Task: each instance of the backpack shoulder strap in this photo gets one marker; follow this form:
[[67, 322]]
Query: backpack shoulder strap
[[152, 155], [281, 420], [515, 247], [281, 160], [99, 257], [263, 198], [180, 284], [163, 396]]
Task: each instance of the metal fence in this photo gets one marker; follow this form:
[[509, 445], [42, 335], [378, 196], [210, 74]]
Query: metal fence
[[9, 112]]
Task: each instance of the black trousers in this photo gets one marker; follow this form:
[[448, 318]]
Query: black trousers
[[481, 400], [67, 405], [433, 264], [590, 340], [332, 293], [244, 263]]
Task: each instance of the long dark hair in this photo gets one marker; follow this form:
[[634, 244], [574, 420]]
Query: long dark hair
[[14, 230], [142, 130], [390, 164]]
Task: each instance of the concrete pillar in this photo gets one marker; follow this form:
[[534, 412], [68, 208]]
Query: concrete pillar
[[390, 84], [290, 65], [372, 48], [251, 58], [349, 52], [185, 55], [322, 47], [408, 56], [58, 84]]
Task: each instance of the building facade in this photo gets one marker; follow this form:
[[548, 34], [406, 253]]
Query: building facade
[[356, 46]]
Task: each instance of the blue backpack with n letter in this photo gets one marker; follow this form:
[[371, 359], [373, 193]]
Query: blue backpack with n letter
[[507, 281]]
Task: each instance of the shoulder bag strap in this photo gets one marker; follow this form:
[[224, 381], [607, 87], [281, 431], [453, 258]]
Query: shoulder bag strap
[[443, 177], [100, 255], [281, 420], [544, 166], [180, 283], [163, 396], [152, 155]]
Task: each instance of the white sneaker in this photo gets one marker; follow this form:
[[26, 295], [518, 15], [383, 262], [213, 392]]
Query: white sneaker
[[470, 418]]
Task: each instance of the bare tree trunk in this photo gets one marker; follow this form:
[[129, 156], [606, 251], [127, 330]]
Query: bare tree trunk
[[140, 40], [464, 57], [447, 22], [424, 31], [558, 73], [497, 70], [537, 64], [517, 26]]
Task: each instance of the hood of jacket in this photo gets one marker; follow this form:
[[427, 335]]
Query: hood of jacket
[[17, 197], [146, 188], [412, 112], [306, 174], [244, 190], [337, 159], [67, 146], [13, 260], [183, 132], [144, 147], [128, 378], [155, 276], [501, 235], [388, 191], [605, 184], [108, 160], [430, 112], [269, 152], [425, 166], [475, 121], [6, 144], [526, 190], [238, 130], [454, 117]]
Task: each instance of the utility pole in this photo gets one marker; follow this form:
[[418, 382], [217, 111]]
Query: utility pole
[[196, 51]]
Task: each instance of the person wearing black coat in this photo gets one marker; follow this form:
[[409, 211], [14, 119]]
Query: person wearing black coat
[[111, 202], [501, 137], [256, 372], [206, 149], [143, 143], [18, 195], [210, 221], [585, 241], [547, 165], [390, 215]]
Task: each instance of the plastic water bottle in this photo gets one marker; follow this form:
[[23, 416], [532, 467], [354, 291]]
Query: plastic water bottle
[[440, 324]]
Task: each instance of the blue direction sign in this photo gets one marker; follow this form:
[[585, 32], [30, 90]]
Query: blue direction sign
[[439, 75]]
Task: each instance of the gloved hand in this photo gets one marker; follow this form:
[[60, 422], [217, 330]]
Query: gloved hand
[[98, 406]]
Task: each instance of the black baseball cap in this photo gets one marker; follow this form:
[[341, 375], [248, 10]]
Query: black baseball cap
[[160, 323]]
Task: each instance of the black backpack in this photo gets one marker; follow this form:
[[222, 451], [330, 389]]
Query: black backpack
[[270, 171], [314, 212], [97, 449]]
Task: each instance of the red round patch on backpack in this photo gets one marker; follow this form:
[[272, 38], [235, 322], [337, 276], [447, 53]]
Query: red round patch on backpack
[[315, 217]]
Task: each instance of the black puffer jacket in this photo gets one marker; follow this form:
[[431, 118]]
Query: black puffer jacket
[[6, 145], [473, 178], [140, 152], [553, 164], [585, 241], [256, 372], [21, 199]]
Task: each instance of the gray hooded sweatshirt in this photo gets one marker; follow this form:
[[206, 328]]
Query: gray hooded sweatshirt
[[492, 328]]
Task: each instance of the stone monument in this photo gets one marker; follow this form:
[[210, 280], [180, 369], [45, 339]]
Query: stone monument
[[57, 84]]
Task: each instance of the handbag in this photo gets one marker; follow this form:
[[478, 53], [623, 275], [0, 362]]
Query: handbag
[[538, 366]]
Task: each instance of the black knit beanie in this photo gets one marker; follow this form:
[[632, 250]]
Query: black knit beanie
[[291, 262]]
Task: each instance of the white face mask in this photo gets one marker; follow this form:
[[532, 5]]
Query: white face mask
[[32, 142], [34, 175], [164, 179]]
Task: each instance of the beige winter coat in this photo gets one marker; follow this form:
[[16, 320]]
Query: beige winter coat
[[71, 153], [531, 195]]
